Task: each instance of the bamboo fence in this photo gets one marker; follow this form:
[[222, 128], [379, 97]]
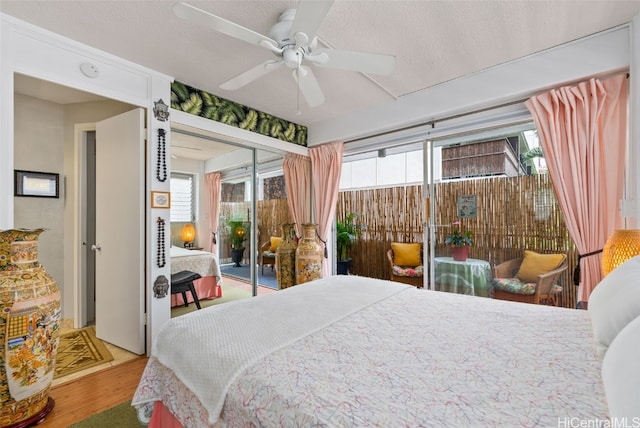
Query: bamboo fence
[[270, 215], [513, 214]]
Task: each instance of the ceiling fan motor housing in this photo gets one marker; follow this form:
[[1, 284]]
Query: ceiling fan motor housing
[[280, 31], [292, 57]]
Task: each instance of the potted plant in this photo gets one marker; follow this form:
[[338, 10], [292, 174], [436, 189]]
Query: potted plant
[[346, 233], [460, 242], [237, 235]]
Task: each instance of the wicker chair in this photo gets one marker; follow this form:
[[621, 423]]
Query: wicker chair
[[545, 289], [267, 257], [416, 281]]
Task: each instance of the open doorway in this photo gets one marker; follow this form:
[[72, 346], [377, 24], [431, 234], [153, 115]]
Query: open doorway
[[68, 116]]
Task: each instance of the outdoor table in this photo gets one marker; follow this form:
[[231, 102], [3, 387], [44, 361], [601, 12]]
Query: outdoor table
[[472, 276]]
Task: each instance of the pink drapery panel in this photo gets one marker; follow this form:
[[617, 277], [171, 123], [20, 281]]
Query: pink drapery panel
[[214, 187], [583, 134], [326, 166], [297, 181]]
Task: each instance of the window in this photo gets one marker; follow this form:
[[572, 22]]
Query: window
[[182, 197], [370, 170]]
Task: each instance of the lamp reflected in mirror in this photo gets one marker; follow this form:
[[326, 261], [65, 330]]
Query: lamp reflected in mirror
[[188, 234]]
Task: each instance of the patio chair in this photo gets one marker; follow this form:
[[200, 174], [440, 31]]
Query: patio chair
[[532, 279], [405, 262], [268, 252]]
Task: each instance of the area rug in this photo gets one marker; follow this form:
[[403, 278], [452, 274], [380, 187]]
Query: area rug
[[229, 294], [269, 278], [79, 350], [123, 415]]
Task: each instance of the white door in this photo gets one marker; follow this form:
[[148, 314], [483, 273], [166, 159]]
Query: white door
[[120, 231]]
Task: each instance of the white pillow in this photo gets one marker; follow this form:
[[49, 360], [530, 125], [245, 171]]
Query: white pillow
[[621, 374], [615, 302]]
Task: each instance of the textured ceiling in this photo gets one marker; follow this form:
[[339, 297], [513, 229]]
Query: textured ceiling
[[433, 41]]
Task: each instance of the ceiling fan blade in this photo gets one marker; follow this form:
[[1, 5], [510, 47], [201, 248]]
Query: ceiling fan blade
[[309, 16], [354, 61], [221, 25], [309, 86], [251, 75]]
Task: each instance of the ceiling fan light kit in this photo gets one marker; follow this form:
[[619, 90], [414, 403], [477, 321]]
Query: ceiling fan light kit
[[293, 41]]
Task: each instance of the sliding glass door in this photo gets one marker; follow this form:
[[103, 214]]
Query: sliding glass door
[[486, 194]]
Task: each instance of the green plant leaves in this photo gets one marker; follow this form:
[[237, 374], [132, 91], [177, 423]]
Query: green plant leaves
[[346, 233], [204, 104]]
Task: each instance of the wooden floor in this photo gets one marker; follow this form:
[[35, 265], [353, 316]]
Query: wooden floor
[[80, 398]]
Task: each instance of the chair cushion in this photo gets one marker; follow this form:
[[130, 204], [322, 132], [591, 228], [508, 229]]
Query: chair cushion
[[407, 255], [514, 285], [275, 241], [409, 271], [535, 264], [269, 254]]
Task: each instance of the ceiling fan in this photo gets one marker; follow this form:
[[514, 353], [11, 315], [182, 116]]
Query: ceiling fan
[[293, 41]]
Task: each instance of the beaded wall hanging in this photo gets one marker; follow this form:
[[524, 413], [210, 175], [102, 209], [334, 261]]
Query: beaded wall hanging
[[161, 258], [161, 164]]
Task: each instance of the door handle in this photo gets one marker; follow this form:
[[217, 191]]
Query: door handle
[[96, 247]]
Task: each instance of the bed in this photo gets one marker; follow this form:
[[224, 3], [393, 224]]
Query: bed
[[348, 351], [201, 262]]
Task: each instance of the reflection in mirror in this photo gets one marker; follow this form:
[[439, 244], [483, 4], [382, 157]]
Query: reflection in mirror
[[237, 232], [272, 211]]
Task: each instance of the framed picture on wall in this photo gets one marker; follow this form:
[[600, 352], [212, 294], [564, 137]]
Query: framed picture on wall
[[160, 199], [467, 206], [36, 184]]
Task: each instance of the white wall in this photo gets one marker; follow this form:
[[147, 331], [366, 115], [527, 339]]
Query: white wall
[[39, 146]]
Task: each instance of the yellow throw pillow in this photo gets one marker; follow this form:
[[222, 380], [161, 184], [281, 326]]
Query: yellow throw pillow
[[406, 255], [535, 264], [275, 241]]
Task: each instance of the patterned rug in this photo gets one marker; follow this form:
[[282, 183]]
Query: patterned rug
[[79, 350]]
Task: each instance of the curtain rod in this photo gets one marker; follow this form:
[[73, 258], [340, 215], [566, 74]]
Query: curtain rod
[[459, 115]]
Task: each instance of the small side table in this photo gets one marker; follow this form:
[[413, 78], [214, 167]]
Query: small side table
[[473, 276]]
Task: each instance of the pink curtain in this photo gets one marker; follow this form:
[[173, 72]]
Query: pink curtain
[[297, 181], [583, 134], [326, 166], [214, 187]]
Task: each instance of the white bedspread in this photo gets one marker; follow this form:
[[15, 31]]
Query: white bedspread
[[201, 262], [414, 358], [230, 331]]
